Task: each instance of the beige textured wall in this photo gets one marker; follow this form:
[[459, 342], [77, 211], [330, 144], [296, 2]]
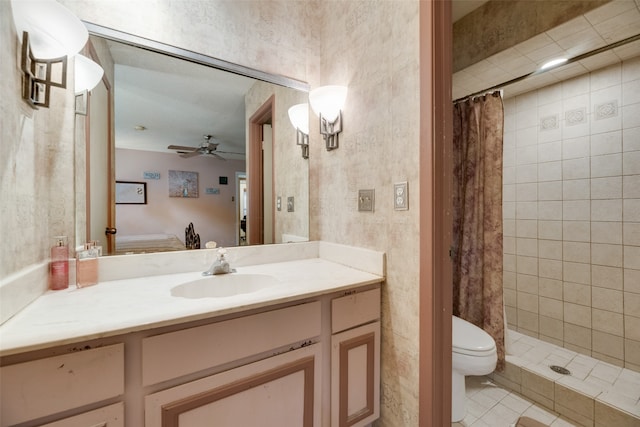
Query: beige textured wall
[[372, 47], [272, 36], [36, 163], [291, 171]]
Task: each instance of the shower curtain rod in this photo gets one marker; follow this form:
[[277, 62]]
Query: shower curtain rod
[[537, 72]]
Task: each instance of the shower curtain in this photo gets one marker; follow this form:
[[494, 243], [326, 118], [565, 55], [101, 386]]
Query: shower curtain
[[477, 215]]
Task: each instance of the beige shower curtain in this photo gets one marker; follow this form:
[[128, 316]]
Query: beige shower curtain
[[477, 215]]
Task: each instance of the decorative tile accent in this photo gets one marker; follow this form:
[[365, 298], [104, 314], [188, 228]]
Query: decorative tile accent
[[549, 122], [575, 117], [606, 110]]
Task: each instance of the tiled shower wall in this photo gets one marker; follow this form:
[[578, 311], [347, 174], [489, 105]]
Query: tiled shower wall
[[572, 213]]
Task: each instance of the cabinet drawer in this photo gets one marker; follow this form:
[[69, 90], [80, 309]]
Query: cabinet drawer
[[109, 416], [283, 390], [353, 310], [191, 350], [47, 386]]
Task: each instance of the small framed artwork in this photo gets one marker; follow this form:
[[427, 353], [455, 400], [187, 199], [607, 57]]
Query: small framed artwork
[[183, 184], [223, 180], [131, 193]]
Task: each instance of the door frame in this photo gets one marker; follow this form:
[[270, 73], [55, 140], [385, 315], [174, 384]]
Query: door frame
[[436, 138], [240, 176], [255, 217], [90, 51]]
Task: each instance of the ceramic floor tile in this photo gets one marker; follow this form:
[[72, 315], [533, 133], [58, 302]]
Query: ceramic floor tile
[[483, 410], [619, 400], [562, 422], [540, 414], [516, 403], [500, 416], [606, 372], [628, 383]]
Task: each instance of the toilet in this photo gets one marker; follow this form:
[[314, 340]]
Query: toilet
[[473, 353]]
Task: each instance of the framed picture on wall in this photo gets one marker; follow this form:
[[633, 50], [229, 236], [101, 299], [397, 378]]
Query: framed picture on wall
[[131, 193], [183, 184]]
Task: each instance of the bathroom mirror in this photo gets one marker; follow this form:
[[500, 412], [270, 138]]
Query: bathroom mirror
[[180, 117]]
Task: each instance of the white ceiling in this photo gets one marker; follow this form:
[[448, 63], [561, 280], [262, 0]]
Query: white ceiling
[[609, 23], [178, 102]]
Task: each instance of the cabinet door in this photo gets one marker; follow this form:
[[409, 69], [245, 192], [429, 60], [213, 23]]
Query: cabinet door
[[109, 416], [283, 390], [355, 376]]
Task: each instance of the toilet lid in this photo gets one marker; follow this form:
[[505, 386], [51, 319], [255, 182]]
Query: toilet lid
[[468, 338]]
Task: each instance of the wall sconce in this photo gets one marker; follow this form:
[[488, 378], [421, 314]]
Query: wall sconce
[[327, 103], [299, 116], [87, 74], [49, 33]]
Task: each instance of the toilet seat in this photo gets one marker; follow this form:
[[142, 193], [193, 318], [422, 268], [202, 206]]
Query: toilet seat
[[470, 340]]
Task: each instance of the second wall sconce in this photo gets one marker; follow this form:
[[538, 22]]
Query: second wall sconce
[[299, 116], [327, 103], [50, 34]]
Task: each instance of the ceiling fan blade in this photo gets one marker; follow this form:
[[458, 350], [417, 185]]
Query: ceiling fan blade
[[190, 154], [218, 157], [182, 148], [230, 152]]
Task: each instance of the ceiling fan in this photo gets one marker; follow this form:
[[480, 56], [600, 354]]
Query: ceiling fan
[[207, 148]]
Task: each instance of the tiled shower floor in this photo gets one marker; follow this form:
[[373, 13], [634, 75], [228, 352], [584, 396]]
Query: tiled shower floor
[[596, 394]]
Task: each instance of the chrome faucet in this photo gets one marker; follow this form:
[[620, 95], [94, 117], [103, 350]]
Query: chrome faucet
[[220, 265]]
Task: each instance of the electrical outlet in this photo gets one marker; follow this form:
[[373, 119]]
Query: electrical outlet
[[401, 196], [279, 203], [366, 199]]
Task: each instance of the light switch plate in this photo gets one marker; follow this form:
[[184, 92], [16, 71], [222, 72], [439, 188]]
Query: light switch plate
[[279, 203], [401, 196], [366, 200], [290, 206]]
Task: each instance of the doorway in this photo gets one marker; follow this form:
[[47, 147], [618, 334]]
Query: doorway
[[241, 208], [100, 155], [259, 202]]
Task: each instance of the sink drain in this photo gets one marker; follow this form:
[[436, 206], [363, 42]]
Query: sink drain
[[560, 370]]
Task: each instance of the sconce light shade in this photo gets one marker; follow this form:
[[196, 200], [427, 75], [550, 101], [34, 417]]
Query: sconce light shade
[[299, 116], [87, 73], [328, 101], [54, 31]]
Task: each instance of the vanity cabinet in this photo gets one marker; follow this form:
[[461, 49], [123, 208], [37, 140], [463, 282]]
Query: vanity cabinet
[[355, 359], [274, 379], [38, 388], [283, 390], [311, 362]]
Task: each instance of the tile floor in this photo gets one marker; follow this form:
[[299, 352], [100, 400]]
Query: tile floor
[[490, 405]]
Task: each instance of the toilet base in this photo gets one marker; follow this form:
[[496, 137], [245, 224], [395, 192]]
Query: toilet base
[[458, 392]]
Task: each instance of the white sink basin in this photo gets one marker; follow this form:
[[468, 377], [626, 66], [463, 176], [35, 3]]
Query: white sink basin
[[224, 285]]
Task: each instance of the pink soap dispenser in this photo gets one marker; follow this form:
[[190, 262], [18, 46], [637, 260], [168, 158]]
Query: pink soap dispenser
[[59, 264]]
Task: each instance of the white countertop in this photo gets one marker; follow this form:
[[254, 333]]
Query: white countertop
[[119, 306]]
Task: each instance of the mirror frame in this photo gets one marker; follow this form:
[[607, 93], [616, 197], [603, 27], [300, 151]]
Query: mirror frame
[[188, 55]]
